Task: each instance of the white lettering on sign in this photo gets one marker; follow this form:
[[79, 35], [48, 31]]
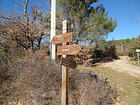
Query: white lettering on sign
[[65, 50], [60, 38]]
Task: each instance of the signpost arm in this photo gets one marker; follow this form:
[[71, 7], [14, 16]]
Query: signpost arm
[[53, 26], [64, 98]]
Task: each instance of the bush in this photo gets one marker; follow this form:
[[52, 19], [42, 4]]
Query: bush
[[91, 91], [34, 79], [132, 52], [2, 53], [31, 79], [103, 53]]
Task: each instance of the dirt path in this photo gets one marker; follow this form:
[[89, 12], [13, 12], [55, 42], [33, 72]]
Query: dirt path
[[122, 65]]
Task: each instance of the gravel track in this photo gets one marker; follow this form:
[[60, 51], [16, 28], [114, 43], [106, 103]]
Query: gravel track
[[122, 65]]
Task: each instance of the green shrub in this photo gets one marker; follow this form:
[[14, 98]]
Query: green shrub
[[132, 52], [104, 51], [2, 53]]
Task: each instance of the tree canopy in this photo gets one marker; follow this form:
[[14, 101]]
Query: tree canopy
[[89, 22]]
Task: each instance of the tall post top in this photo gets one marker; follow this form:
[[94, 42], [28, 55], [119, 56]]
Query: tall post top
[[65, 26]]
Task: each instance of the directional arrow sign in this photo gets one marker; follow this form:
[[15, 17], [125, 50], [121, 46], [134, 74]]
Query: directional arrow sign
[[68, 49], [68, 63], [66, 37]]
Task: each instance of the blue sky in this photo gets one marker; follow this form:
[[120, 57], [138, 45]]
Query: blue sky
[[127, 13]]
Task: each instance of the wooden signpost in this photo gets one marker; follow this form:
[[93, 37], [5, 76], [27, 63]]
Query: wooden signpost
[[66, 37], [138, 57], [68, 50], [65, 50], [68, 63]]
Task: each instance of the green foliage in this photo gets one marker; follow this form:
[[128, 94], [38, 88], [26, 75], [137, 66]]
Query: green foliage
[[122, 46], [126, 47], [90, 23], [106, 50], [2, 53], [135, 45]]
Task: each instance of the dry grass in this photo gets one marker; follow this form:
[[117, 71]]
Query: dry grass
[[133, 62], [128, 87], [87, 90], [33, 79]]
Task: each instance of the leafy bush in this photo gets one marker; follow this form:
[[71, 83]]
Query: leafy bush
[[104, 51], [132, 52], [2, 53]]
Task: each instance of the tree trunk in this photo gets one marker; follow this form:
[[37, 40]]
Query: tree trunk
[[25, 5]]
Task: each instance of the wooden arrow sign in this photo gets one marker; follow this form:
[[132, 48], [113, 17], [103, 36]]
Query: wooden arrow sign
[[68, 49], [68, 63], [66, 37]]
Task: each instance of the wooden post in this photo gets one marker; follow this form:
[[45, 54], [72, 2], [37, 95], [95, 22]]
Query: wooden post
[[65, 50], [138, 58], [64, 98]]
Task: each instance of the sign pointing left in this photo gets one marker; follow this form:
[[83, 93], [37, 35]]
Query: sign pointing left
[[66, 37]]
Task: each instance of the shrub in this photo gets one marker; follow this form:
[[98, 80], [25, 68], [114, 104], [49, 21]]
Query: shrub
[[34, 79], [103, 53], [31, 79], [2, 53], [132, 52], [89, 91]]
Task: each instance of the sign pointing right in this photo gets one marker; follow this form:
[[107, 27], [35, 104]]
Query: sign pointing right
[[68, 50]]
